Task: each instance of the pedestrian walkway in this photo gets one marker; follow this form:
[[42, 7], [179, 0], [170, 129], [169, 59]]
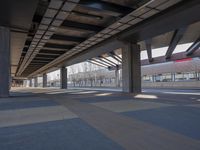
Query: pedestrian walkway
[[78, 119]]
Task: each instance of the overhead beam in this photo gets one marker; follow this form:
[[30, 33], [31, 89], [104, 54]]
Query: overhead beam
[[45, 55], [193, 47], [38, 59], [97, 50], [45, 61], [67, 38], [174, 57], [113, 53], [176, 17], [49, 54], [178, 34], [98, 64], [114, 56], [108, 60], [105, 7], [49, 45], [44, 58], [102, 60], [94, 51], [149, 49], [161, 59], [82, 26], [33, 63], [53, 49]]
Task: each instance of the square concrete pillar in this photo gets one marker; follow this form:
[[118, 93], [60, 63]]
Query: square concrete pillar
[[44, 80], [117, 77], [131, 68], [63, 78], [30, 83], [35, 82], [4, 61]]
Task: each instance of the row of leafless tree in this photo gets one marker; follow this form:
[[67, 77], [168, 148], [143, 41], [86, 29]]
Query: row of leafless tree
[[87, 74]]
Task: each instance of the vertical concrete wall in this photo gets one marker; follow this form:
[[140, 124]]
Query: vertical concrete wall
[[63, 78], [4, 61], [131, 68], [44, 80]]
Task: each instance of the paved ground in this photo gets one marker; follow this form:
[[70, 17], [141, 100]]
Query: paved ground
[[78, 119]]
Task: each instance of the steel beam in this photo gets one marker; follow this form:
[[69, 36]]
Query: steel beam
[[178, 34], [112, 54], [41, 60], [67, 38], [108, 60], [45, 55], [98, 64], [174, 57], [115, 55], [149, 50], [83, 26], [193, 47], [51, 51], [54, 49], [181, 15], [44, 58], [104, 61], [95, 51], [58, 46], [49, 54]]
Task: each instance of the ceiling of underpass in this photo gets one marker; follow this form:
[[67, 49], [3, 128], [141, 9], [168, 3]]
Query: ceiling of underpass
[[86, 19], [55, 30]]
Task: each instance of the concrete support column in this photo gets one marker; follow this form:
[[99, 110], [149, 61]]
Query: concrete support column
[[4, 61], [35, 82], [173, 77], [24, 83], [117, 77], [153, 79], [30, 83], [44, 80], [63, 78], [196, 76], [131, 68]]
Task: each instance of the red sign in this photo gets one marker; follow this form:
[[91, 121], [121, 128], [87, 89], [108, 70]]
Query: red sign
[[184, 59]]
